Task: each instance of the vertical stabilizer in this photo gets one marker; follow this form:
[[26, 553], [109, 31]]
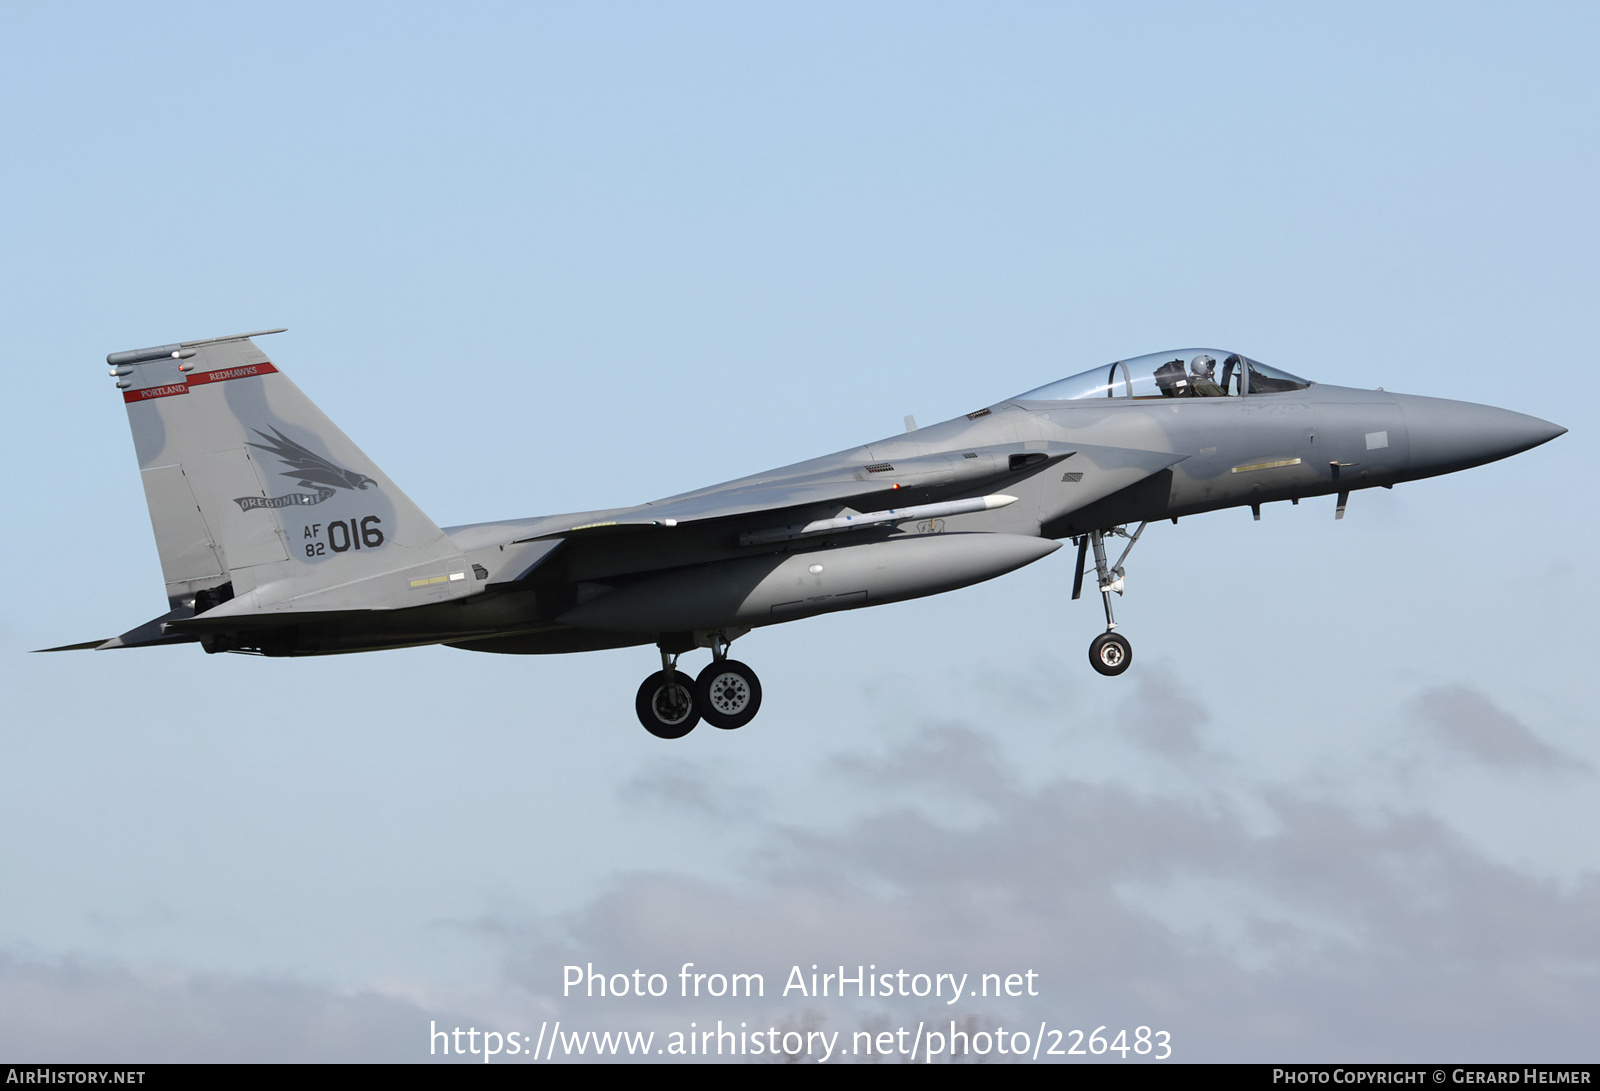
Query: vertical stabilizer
[[258, 498]]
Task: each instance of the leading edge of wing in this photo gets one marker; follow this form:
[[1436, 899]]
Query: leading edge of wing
[[831, 479], [945, 475]]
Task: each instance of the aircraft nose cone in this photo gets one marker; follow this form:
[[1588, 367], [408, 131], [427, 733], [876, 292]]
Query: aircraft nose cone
[[1448, 436]]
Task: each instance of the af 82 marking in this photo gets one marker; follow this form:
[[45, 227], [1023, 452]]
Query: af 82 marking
[[344, 535]]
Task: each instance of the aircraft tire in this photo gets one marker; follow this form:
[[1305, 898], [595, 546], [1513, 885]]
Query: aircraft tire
[[1110, 653], [666, 705], [728, 694]]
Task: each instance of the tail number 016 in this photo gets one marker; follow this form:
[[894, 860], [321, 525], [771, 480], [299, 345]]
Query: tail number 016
[[365, 533]]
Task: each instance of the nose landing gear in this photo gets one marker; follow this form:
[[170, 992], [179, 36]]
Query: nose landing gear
[[1109, 653], [727, 694]]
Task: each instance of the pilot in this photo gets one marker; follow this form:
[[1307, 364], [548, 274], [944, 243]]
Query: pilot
[[1204, 385]]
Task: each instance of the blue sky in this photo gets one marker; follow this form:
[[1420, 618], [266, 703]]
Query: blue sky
[[541, 258]]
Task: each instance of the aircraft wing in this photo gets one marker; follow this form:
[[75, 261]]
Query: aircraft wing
[[832, 481]]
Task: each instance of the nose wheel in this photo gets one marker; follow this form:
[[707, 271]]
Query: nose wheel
[[1109, 653], [727, 694]]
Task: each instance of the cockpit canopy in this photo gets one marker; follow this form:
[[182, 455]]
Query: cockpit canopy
[[1182, 373]]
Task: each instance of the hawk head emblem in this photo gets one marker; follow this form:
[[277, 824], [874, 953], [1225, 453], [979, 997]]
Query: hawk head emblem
[[308, 468]]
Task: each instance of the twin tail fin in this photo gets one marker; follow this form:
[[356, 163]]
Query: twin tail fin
[[260, 504]]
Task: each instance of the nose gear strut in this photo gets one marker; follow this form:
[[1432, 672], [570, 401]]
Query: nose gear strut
[[1110, 653]]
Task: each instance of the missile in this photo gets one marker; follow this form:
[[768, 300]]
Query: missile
[[874, 518]]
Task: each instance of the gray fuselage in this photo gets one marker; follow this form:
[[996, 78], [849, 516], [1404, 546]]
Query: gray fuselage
[[1223, 452]]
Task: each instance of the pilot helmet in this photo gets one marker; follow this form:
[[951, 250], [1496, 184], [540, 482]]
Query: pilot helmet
[[1202, 366]]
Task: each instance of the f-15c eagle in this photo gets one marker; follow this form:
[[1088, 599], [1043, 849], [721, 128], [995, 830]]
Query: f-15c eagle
[[227, 446]]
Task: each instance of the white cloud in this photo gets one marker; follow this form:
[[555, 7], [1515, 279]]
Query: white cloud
[[66, 1010], [1472, 723], [1252, 921], [1332, 931]]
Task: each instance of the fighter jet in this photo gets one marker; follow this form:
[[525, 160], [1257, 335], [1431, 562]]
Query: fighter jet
[[278, 536]]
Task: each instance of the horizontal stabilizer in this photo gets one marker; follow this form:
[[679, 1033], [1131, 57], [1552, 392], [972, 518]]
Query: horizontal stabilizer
[[217, 621], [154, 631], [150, 633], [87, 645]]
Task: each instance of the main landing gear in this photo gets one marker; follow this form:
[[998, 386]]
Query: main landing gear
[[727, 694], [1109, 653], [666, 702]]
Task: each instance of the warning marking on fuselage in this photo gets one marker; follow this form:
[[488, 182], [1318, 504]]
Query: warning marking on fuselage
[[1265, 465]]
